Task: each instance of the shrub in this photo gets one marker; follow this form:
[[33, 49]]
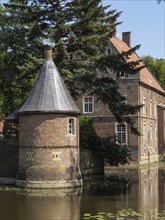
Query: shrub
[[106, 148]]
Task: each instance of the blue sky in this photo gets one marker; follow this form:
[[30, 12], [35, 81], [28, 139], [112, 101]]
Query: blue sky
[[146, 21]]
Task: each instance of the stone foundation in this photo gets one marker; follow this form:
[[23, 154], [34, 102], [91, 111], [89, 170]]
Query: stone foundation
[[49, 184]]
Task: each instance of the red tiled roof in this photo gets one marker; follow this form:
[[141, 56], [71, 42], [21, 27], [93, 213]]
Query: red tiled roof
[[145, 76]]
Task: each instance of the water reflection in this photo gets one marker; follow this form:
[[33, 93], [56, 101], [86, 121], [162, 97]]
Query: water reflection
[[141, 189], [148, 192], [40, 204]]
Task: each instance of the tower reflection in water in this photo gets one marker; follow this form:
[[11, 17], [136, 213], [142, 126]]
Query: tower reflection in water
[[142, 189], [49, 204]]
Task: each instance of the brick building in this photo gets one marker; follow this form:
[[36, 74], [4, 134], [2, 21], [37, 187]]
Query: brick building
[[140, 88]]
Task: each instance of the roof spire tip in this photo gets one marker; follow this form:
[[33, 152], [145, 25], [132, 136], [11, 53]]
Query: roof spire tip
[[48, 53]]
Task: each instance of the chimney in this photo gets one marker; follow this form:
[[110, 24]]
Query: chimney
[[114, 27], [126, 37], [48, 53]]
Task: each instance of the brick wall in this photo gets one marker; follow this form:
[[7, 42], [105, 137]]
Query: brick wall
[[8, 158], [47, 152], [46, 130], [48, 164], [161, 131]]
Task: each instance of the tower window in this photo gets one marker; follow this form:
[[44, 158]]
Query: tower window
[[71, 129]]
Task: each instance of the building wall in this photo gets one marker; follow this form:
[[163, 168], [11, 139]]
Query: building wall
[[145, 147], [149, 124], [105, 123], [161, 132], [47, 152], [43, 164], [46, 130], [8, 161]]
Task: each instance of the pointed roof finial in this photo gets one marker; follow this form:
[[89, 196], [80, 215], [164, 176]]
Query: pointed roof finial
[[48, 53]]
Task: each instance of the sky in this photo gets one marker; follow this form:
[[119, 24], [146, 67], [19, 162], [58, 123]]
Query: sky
[[146, 21]]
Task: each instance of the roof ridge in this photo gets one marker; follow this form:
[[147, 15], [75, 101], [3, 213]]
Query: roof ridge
[[145, 75]]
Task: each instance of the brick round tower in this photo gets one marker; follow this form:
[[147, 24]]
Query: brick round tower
[[49, 134]]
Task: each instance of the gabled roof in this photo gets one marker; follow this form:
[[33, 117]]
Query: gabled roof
[[49, 94], [146, 76]]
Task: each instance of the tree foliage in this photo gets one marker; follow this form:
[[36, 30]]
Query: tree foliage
[[159, 1], [106, 148], [78, 31], [156, 66]]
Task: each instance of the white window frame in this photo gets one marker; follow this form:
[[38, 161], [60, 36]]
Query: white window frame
[[71, 126], [121, 132], [88, 104]]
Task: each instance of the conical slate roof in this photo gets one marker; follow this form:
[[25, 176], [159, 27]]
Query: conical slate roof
[[49, 94]]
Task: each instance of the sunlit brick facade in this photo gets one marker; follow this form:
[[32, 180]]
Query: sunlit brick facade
[[141, 88]]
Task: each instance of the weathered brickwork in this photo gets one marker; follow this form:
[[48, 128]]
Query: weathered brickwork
[[149, 120], [149, 144], [161, 131], [47, 151], [46, 130], [46, 164]]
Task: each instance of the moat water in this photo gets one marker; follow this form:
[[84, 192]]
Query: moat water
[[136, 193]]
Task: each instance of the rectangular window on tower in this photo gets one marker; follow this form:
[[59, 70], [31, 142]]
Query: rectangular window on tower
[[71, 126], [121, 130], [88, 104]]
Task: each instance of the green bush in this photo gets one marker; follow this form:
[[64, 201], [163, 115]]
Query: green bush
[[106, 148]]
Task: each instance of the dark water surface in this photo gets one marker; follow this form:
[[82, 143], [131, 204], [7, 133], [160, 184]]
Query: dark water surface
[[133, 192]]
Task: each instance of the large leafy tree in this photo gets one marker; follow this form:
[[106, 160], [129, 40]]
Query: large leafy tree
[[78, 30], [156, 66]]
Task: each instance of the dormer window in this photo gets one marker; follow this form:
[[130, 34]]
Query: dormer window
[[121, 74], [109, 50]]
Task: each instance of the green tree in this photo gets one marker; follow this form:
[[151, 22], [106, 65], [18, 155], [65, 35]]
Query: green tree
[[159, 1], [79, 31], [18, 64], [156, 66]]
